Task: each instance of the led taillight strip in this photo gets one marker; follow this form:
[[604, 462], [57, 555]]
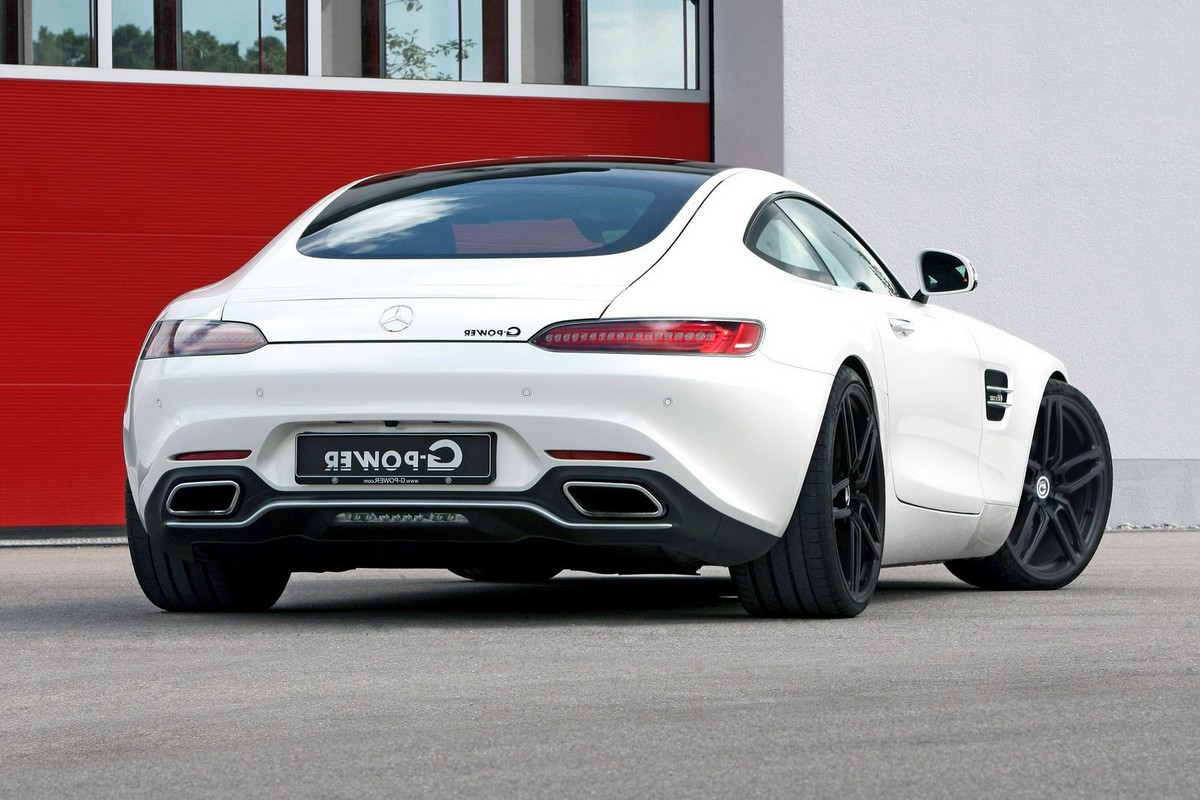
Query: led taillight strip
[[690, 336]]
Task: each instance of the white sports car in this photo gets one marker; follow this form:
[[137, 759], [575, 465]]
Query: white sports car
[[507, 369]]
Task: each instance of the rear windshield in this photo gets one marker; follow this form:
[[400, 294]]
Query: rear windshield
[[510, 211]]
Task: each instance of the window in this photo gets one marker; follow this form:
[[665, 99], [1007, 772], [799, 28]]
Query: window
[[619, 44], [266, 36], [520, 211], [643, 43], [441, 40], [850, 261], [777, 239], [54, 33]]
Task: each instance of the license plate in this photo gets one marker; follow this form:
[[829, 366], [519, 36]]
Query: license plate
[[396, 458]]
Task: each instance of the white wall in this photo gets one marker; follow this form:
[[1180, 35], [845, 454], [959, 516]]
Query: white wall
[[748, 83], [1055, 144]]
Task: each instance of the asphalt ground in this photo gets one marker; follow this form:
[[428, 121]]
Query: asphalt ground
[[419, 684]]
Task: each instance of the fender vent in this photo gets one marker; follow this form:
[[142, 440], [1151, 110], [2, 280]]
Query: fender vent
[[995, 394]]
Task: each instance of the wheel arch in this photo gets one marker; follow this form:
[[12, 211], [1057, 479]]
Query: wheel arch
[[859, 366]]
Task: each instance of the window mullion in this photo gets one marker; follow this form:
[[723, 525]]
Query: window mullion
[[314, 23], [104, 24]]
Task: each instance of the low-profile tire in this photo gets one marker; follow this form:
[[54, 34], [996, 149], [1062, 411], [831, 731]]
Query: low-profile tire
[[522, 573], [173, 584], [826, 564], [1064, 500]]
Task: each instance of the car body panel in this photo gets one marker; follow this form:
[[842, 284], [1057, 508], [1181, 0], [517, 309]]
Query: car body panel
[[735, 432]]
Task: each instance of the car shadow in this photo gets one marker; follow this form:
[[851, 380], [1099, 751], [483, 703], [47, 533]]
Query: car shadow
[[566, 599], [627, 600]]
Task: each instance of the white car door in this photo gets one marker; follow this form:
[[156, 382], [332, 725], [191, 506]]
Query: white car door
[[934, 379]]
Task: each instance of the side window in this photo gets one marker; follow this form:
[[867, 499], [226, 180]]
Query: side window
[[848, 259], [777, 239]]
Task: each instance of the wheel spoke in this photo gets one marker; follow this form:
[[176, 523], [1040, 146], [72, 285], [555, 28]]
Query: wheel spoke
[[1057, 433], [840, 487], [1091, 454], [1039, 534], [1069, 487], [1051, 433], [1070, 526], [1030, 534], [855, 565], [1064, 539], [870, 527], [864, 459], [846, 418]]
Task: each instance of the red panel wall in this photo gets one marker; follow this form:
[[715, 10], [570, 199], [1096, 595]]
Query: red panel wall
[[115, 198]]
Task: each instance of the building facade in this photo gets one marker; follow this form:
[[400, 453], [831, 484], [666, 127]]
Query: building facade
[[1057, 145], [154, 145]]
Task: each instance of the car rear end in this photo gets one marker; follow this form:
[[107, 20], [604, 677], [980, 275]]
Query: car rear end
[[408, 379]]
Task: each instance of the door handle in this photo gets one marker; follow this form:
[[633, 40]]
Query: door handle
[[901, 327]]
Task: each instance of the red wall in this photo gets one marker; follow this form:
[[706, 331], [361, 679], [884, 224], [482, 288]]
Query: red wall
[[115, 198]]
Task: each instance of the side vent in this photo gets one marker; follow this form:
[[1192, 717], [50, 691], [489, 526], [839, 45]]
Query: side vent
[[995, 394]]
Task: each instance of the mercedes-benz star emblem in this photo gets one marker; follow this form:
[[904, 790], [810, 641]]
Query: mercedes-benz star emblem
[[396, 318]]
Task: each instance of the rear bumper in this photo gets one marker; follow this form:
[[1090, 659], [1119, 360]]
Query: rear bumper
[[736, 433], [322, 531]]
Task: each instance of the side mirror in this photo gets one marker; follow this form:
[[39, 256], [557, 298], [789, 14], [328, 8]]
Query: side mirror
[[943, 272]]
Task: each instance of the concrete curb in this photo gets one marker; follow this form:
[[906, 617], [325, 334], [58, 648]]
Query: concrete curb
[[71, 536]]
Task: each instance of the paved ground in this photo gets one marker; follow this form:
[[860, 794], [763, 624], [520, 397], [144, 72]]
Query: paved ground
[[420, 684]]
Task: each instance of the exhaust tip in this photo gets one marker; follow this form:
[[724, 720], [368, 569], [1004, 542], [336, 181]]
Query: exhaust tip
[[613, 500], [204, 498]]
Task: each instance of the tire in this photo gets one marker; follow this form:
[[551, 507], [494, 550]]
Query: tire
[[826, 564], [523, 573], [1064, 501], [173, 584]]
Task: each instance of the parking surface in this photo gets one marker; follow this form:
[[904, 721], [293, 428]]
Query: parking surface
[[417, 683]]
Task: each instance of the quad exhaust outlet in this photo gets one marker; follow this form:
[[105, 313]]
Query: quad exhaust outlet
[[613, 500], [204, 498]]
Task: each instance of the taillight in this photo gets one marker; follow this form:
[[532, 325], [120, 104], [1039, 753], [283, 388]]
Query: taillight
[[201, 337], [700, 337]]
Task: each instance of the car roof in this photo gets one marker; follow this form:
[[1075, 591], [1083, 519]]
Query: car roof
[[497, 167]]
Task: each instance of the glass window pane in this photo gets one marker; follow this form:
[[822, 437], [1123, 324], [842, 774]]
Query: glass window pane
[[133, 34], [776, 238], [641, 43], [524, 211], [224, 37], [59, 33], [848, 258], [434, 41], [645, 43]]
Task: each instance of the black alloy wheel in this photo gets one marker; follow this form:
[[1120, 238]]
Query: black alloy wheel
[[827, 562], [857, 494], [173, 584], [1064, 500]]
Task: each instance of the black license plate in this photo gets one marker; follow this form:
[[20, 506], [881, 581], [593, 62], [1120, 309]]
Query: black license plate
[[396, 458]]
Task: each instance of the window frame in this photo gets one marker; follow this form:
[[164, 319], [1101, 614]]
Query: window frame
[[824, 276], [513, 86], [822, 207], [17, 51]]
